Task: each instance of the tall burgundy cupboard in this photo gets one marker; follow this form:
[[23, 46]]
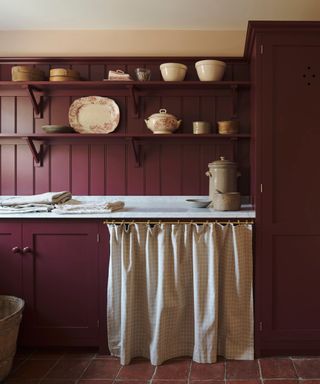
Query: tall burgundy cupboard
[[285, 75]]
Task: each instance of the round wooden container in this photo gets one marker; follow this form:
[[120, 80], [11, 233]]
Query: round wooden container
[[229, 201], [64, 74], [228, 127]]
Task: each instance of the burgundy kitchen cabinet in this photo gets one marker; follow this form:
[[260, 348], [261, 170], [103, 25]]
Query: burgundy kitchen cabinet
[[285, 63], [59, 268], [10, 259]]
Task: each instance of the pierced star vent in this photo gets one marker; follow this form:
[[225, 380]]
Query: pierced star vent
[[309, 75]]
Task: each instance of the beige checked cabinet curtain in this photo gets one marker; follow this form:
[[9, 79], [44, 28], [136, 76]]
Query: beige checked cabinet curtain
[[180, 290]]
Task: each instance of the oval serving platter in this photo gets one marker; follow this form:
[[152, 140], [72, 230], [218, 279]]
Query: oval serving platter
[[94, 114]]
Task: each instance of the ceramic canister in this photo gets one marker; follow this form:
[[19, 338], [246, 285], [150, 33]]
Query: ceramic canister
[[222, 177]]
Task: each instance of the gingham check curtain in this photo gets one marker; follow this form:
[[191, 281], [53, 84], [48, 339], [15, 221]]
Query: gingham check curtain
[[180, 290]]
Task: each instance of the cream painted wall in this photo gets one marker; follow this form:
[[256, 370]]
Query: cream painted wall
[[122, 43]]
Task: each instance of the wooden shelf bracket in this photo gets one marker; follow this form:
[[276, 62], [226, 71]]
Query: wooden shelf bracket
[[37, 155], [136, 149], [37, 105], [135, 101]]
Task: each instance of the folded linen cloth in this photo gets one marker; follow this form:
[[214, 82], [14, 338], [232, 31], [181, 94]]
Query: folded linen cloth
[[26, 208], [42, 198], [77, 206]]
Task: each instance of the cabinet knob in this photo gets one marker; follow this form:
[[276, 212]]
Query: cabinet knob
[[16, 250], [26, 250]]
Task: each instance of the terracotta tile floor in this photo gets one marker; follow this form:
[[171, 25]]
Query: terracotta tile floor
[[79, 366]]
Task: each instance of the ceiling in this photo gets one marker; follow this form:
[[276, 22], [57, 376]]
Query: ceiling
[[150, 14]]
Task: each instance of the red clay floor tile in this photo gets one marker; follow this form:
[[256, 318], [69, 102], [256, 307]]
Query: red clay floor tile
[[174, 369], [277, 368], [102, 369], [58, 381], [138, 369], [215, 371], [243, 382], [32, 369], [94, 381], [245, 369], [21, 381], [68, 369], [281, 381], [307, 368], [170, 382]]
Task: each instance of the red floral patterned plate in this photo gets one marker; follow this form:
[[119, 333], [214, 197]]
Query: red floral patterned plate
[[94, 114]]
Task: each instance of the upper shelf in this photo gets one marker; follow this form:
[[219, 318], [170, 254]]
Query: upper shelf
[[134, 89], [46, 86]]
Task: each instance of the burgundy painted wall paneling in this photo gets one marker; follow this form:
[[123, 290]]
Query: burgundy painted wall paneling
[[8, 169], [190, 169], [83, 69], [60, 167], [24, 115], [59, 110], [79, 169], [190, 113], [97, 72], [135, 175], [207, 155], [97, 169], [243, 106], [25, 170], [152, 176], [7, 114], [224, 107], [116, 169], [5, 72], [171, 169], [207, 111]]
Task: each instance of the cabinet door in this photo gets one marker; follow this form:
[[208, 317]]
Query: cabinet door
[[61, 283], [10, 259], [290, 209]]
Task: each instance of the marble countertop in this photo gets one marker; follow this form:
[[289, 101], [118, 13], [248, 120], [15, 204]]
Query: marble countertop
[[143, 207]]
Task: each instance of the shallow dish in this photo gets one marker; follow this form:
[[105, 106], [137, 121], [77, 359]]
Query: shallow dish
[[57, 129], [94, 114], [198, 203]]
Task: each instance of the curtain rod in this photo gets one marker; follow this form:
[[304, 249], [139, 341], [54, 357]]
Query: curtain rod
[[178, 222]]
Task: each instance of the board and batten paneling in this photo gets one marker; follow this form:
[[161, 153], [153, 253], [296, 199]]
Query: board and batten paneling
[[107, 167]]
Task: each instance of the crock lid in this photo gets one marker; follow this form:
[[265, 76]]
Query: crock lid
[[162, 113], [222, 163]]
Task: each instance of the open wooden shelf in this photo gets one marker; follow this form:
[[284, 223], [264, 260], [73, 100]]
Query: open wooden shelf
[[134, 139]]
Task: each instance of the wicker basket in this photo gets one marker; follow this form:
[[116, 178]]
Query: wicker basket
[[10, 317], [25, 73], [63, 74]]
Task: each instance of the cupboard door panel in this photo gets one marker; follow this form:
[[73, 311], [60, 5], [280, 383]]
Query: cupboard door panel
[[10, 263], [60, 283], [288, 252]]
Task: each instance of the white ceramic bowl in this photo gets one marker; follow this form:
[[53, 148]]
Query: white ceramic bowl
[[198, 203], [210, 70], [173, 71]]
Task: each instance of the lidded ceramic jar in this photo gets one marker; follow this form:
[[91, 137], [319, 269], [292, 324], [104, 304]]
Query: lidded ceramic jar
[[162, 122], [223, 176]]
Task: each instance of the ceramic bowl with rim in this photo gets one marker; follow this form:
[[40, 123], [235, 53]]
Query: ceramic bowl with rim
[[198, 203], [210, 70], [173, 71]]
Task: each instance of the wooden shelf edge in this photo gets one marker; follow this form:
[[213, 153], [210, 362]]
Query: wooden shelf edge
[[44, 136]]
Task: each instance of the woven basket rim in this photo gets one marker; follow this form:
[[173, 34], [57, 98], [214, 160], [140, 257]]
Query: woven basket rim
[[20, 305]]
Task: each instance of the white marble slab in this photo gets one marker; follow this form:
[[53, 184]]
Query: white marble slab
[[143, 207]]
